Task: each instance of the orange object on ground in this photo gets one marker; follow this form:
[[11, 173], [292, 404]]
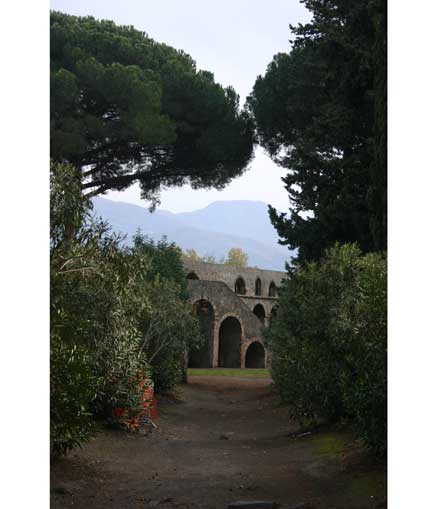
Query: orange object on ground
[[149, 403], [154, 414]]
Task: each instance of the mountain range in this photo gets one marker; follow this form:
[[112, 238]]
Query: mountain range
[[212, 230]]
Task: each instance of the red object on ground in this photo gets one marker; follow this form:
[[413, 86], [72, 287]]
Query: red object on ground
[[149, 403]]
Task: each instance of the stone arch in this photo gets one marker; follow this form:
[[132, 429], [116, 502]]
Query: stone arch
[[260, 312], [258, 286], [202, 357], [255, 356], [240, 286], [192, 275], [272, 290], [229, 343]]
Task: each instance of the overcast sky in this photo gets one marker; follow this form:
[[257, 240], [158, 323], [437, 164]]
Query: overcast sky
[[234, 39]]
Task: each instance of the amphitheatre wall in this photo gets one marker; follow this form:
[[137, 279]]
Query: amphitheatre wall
[[241, 301]]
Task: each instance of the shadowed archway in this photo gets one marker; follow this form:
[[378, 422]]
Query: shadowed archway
[[272, 290], [260, 312], [229, 343], [255, 355], [202, 357], [258, 286], [192, 275], [240, 286]]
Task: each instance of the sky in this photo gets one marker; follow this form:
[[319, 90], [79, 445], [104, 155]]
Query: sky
[[234, 39]]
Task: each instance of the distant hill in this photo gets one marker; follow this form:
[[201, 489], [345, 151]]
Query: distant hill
[[212, 230]]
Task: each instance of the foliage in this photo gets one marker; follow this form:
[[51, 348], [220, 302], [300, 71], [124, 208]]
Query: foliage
[[168, 328], [72, 383], [366, 398], [329, 342], [113, 311], [237, 257], [91, 309], [125, 108], [117, 352], [164, 260], [72, 389], [191, 254], [321, 113]]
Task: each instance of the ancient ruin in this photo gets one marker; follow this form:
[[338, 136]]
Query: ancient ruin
[[233, 304]]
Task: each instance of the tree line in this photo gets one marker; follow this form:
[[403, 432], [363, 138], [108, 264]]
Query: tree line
[[236, 257]]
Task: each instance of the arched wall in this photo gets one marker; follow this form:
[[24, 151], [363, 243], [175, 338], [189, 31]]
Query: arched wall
[[228, 274], [255, 355], [230, 342], [258, 291], [272, 291], [226, 303], [240, 287], [193, 299], [260, 312]]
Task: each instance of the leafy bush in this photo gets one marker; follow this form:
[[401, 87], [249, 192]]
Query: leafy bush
[[116, 310], [72, 389], [329, 342], [365, 393], [164, 260], [168, 328], [92, 312]]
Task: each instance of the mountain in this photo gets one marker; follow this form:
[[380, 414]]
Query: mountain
[[242, 218], [212, 230]]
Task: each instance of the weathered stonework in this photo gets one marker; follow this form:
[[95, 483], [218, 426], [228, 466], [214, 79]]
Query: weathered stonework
[[218, 285]]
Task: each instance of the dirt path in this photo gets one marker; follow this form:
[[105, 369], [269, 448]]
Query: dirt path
[[228, 440]]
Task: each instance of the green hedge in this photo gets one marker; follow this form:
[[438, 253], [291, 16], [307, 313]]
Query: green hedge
[[118, 316], [329, 342]]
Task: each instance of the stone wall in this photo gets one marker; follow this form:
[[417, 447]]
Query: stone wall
[[226, 304], [216, 283], [229, 275]]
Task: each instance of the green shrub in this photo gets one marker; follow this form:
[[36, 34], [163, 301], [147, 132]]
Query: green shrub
[[329, 342], [115, 312], [72, 389], [95, 310], [119, 369], [365, 393], [169, 331], [168, 328]]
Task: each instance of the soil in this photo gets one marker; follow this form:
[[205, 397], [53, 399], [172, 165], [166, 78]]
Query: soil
[[227, 439]]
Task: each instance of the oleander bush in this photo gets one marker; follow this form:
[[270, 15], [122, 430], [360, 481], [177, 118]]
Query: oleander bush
[[118, 316], [329, 342], [72, 390]]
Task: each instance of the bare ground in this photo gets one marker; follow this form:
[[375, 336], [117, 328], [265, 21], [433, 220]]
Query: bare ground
[[227, 440]]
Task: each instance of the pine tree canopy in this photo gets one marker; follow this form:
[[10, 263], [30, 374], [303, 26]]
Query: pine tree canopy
[[125, 108]]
